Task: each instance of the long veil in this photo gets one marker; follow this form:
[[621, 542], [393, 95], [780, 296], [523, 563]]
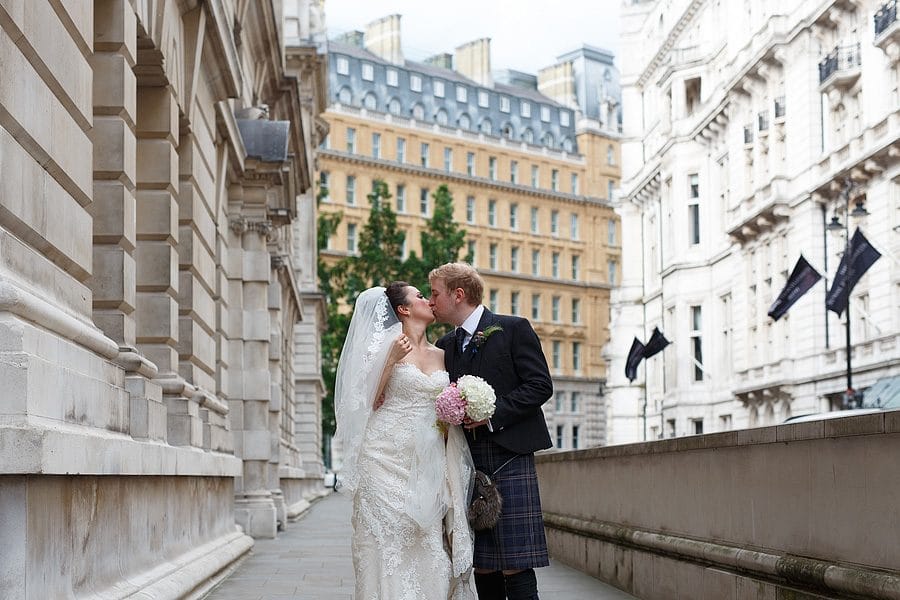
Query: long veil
[[372, 327]]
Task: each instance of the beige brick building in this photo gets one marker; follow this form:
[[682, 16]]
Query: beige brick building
[[158, 311], [530, 177]]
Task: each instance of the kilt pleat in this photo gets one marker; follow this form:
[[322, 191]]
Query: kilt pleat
[[518, 540]]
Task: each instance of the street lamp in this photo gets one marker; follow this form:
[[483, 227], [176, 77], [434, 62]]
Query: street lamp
[[851, 398]]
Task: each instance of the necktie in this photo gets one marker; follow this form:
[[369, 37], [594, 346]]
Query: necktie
[[460, 338]]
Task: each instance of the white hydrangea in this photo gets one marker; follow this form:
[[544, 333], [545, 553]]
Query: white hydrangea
[[480, 397]]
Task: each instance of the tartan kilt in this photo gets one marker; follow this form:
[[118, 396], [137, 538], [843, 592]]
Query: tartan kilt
[[518, 540]]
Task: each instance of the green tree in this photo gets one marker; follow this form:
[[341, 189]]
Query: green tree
[[380, 247], [331, 283], [441, 241]]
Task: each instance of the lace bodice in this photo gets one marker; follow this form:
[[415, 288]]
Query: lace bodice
[[409, 387]]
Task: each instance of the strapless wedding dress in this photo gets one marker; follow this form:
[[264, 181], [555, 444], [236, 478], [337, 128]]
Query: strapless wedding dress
[[411, 540]]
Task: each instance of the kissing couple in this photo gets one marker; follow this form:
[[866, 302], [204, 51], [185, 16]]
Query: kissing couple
[[411, 481]]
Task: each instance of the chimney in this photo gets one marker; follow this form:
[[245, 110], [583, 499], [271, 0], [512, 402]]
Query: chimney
[[474, 61], [351, 38], [558, 82], [442, 60], [383, 39]]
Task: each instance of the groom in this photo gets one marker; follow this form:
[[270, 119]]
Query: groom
[[506, 352]]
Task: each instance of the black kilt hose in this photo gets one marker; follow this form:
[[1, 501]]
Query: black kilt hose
[[511, 360], [518, 540]]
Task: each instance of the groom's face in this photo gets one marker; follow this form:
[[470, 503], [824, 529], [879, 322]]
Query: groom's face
[[442, 304]]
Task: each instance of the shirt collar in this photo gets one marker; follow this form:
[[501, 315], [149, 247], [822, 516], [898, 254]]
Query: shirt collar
[[471, 322]]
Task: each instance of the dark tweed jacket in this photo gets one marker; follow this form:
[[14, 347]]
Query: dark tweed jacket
[[512, 361]]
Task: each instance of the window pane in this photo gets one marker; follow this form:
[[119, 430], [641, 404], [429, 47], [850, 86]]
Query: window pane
[[694, 224], [401, 198]]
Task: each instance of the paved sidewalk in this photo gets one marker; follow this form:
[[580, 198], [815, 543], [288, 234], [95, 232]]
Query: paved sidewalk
[[311, 561]]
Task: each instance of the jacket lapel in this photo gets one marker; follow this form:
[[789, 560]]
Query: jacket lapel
[[487, 319]]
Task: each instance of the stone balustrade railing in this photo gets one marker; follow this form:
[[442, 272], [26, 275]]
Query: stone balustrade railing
[[808, 507]]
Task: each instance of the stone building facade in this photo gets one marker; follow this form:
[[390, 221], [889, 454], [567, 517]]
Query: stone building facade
[[530, 176], [155, 205], [746, 121]]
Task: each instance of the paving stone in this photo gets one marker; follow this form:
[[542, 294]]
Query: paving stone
[[311, 561]]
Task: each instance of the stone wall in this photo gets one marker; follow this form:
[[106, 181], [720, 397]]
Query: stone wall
[[148, 291], [806, 509]]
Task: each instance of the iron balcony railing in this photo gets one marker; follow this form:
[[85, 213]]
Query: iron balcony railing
[[780, 107], [885, 16], [839, 59]]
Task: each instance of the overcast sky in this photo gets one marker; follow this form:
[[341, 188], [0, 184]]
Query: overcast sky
[[526, 35]]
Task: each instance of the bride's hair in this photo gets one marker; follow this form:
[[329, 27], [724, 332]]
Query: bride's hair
[[396, 293]]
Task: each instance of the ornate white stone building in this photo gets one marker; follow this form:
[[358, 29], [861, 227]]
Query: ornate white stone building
[[158, 310], [743, 121]]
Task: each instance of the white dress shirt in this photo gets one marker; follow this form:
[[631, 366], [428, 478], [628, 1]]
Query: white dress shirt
[[471, 324]]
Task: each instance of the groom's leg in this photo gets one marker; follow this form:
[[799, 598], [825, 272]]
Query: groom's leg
[[521, 585], [490, 585]]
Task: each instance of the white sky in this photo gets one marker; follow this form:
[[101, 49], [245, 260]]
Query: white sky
[[526, 35]]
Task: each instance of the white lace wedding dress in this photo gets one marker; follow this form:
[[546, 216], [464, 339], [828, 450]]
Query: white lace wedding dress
[[411, 540]]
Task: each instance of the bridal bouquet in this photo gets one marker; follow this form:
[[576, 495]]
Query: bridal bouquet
[[471, 397]]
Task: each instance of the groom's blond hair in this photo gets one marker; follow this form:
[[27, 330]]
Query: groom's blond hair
[[460, 275]]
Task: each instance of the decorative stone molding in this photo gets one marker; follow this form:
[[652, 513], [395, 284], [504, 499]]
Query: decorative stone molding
[[243, 225], [16, 299], [796, 570], [133, 362]]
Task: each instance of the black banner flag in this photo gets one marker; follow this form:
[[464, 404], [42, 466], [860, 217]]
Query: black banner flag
[[635, 355], [860, 255], [802, 278], [656, 343]]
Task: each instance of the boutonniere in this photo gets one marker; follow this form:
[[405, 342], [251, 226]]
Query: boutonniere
[[481, 337]]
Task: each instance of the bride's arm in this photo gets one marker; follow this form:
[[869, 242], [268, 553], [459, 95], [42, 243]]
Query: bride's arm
[[399, 349]]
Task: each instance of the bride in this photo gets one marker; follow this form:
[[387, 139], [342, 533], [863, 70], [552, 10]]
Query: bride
[[411, 538]]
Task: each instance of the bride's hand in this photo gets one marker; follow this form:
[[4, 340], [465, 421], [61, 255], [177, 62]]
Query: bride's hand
[[400, 348]]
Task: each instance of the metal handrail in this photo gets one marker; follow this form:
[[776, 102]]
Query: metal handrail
[[885, 16], [839, 59]]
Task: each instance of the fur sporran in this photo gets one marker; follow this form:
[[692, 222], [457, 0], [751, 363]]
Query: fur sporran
[[487, 503]]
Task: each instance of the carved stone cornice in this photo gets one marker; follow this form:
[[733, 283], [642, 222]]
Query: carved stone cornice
[[686, 17], [444, 176], [242, 225]]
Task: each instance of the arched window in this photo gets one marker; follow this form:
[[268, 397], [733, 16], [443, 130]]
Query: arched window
[[441, 116], [418, 112], [568, 145], [528, 136], [486, 127], [345, 96], [547, 140], [370, 101], [465, 122], [394, 106], [507, 131]]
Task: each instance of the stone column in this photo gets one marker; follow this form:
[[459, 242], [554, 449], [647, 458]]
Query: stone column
[[156, 254], [277, 399], [114, 143], [197, 287], [249, 361]]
